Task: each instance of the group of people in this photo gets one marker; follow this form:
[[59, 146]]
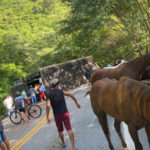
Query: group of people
[[21, 100], [118, 61], [38, 91], [55, 97]]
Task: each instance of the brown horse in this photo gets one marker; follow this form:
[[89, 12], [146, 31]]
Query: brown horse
[[138, 69], [126, 100]]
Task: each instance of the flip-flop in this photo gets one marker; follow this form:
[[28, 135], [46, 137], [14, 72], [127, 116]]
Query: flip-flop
[[63, 145]]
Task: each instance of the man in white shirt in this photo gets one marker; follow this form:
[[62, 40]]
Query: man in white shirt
[[8, 103]]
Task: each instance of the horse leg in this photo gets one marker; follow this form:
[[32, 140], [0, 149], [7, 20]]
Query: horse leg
[[103, 121], [147, 128], [117, 127], [134, 135]]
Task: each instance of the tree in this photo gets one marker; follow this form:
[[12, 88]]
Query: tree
[[128, 19], [9, 73]]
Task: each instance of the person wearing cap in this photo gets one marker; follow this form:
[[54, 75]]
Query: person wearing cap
[[4, 143], [55, 98]]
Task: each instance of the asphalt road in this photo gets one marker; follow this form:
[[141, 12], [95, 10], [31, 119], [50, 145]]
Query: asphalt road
[[38, 135]]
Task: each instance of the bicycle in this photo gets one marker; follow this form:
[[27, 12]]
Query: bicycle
[[33, 110]]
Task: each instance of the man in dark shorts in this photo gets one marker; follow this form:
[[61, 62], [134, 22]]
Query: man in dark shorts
[[56, 98], [4, 144], [19, 104]]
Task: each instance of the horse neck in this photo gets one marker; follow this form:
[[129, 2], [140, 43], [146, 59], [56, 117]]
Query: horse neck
[[111, 73], [140, 62]]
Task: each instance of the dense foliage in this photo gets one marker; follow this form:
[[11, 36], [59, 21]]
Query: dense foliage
[[36, 33]]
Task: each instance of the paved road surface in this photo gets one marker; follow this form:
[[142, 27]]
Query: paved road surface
[[38, 135]]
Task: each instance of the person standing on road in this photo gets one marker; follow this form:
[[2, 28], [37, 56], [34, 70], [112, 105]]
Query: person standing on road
[[36, 92], [25, 98], [32, 94], [44, 89], [4, 143], [56, 98], [8, 103], [41, 92]]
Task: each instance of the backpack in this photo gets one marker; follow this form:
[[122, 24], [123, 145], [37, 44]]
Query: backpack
[[18, 102], [40, 89]]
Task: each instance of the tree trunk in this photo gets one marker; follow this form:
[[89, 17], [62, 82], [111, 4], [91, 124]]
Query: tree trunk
[[139, 47]]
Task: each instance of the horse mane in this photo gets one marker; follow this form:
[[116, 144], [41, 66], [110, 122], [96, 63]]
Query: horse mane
[[112, 73], [137, 94]]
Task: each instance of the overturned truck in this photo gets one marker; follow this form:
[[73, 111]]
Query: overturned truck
[[71, 74]]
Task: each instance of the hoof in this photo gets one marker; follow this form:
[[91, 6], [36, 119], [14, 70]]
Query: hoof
[[111, 147]]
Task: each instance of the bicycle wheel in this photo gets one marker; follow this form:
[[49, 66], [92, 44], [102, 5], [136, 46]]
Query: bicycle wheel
[[35, 111], [15, 117]]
